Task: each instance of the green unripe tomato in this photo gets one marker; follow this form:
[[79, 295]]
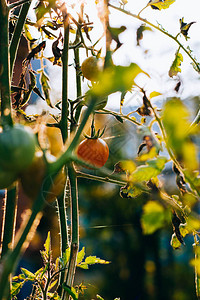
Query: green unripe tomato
[[6, 178], [17, 148], [91, 68]]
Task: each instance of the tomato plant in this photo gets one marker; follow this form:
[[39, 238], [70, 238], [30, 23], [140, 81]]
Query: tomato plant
[[94, 151], [17, 148]]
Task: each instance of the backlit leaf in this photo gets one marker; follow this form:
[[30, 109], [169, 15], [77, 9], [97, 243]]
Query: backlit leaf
[[161, 4], [184, 27], [81, 255], [154, 217], [154, 94], [47, 244], [116, 78], [28, 274], [153, 168], [175, 67], [16, 287], [46, 87], [176, 123], [175, 242]]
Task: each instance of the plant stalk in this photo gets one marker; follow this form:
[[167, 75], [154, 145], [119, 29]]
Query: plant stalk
[[74, 230], [6, 113], [9, 219], [65, 105]]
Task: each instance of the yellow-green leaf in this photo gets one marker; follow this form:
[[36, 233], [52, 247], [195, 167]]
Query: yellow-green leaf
[[154, 217], [175, 67], [154, 94], [161, 4], [46, 87], [116, 79]]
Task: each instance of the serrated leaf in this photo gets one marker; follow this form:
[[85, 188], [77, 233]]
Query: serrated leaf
[[154, 217], [91, 260], [175, 67], [161, 4], [153, 168], [44, 79], [80, 256], [130, 191], [28, 274]]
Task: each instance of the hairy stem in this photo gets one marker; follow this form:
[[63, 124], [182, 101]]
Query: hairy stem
[[74, 230], [6, 114], [9, 218], [65, 105], [10, 260]]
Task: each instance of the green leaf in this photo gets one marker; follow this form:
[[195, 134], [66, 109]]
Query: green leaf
[[184, 27], [80, 256], [175, 242], [47, 244], [153, 168], [44, 79], [71, 291], [16, 287], [28, 274], [91, 260], [176, 123], [116, 78], [154, 94], [65, 257], [161, 4], [154, 217], [175, 67], [130, 191], [99, 297]]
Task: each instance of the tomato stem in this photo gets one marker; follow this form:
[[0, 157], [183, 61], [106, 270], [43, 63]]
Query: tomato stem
[[6, 117], [74, 230], [9, 219], [65, 105]]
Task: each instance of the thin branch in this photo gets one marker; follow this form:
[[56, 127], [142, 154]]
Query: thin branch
[[159, 29]]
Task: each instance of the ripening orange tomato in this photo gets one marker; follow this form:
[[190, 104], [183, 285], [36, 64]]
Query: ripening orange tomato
[[93, 151]]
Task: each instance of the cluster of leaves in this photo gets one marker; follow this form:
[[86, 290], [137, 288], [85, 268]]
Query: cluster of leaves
[[45, 280]]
